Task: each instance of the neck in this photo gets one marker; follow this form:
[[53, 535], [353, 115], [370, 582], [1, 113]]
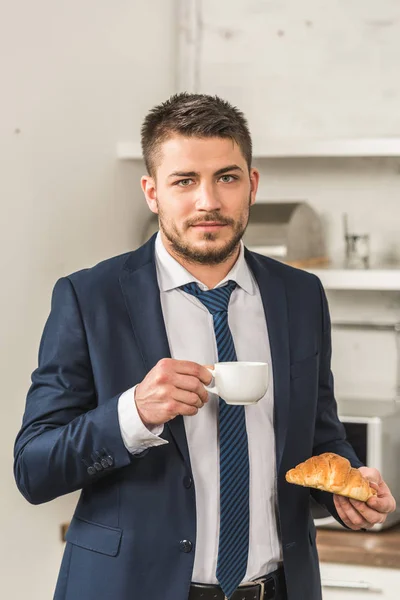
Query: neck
[[209, 275]]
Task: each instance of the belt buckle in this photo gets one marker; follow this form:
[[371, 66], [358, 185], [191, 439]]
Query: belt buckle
[[261, 583]]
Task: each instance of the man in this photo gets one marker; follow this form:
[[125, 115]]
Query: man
[[118, 407]]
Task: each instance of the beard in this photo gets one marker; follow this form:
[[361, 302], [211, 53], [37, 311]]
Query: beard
[[206, 256]]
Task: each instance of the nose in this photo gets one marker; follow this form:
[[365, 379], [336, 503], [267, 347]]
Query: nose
[[207, 198]]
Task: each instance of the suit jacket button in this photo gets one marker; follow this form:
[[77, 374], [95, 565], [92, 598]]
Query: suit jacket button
[[91, 470], [97, 466], [104, 463], [185, 546], [187, 481], [110, 460]]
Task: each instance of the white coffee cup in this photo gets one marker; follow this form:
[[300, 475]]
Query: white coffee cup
[[240, 382]]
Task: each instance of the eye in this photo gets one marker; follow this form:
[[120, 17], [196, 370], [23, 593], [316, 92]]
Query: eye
[[183, 182], [228, 178]]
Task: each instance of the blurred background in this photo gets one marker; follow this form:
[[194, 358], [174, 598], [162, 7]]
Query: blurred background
[[319, 83]]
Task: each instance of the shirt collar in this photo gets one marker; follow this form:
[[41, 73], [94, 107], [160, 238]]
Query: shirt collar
[[171, 274]]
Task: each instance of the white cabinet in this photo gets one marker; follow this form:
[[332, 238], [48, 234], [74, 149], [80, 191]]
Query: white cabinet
[[353, 582]]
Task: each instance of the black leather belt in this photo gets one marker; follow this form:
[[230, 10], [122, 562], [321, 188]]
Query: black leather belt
[[270, 587]]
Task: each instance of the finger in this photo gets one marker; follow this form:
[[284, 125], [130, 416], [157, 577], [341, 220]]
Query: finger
[[341, 513], [371, 474], [382, 504], [349, 515], [205, 376], [175, 407], [370, 515], [352, 522], [189, 398], [187, 367], [384, 501], [185, 410], [191, 384]]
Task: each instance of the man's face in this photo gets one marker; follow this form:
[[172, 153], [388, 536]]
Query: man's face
[[202, 194]]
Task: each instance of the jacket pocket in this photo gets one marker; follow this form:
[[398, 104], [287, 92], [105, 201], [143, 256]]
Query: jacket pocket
[[304, 367], [93, 536]]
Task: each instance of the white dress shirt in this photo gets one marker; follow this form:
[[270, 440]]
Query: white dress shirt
[[190, 333]]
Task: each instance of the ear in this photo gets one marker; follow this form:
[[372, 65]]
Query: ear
[[254, 180], [149, 189]]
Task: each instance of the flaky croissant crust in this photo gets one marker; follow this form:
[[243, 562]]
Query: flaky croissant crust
[[331, 473]]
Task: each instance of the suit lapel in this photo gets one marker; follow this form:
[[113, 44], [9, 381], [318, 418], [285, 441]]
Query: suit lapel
[[273, 296], [142, 296]]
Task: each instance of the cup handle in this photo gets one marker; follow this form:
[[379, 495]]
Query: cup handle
[[213, 389]]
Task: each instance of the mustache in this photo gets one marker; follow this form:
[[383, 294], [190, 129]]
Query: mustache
[[208, 218]]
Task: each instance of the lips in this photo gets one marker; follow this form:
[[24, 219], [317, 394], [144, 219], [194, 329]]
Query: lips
[[210, 224]]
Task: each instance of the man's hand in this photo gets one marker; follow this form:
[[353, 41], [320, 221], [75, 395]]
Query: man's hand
[[171, 388], [364, 515]]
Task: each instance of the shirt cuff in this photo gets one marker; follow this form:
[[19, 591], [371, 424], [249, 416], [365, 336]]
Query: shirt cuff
[[136, 436]]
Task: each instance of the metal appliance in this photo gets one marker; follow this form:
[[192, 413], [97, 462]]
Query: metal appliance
[[291, 232], [373, 429]]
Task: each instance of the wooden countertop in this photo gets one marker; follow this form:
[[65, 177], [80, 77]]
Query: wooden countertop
[[379, 549]]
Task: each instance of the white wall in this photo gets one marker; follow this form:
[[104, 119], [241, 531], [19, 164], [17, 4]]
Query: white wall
[[315, 68], [77, 77]]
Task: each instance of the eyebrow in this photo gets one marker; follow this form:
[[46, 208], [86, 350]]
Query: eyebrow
[[194, 174]]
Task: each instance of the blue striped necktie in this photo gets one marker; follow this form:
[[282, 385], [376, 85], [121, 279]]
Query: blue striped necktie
[[234, 458]]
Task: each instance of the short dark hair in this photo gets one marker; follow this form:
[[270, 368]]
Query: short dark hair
[[193, 115]]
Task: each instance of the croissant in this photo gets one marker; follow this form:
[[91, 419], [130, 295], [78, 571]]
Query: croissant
[[331, 473]]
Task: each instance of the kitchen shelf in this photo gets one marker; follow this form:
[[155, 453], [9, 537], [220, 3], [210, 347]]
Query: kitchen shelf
[[360, 279], [358, 147], [335, 277]]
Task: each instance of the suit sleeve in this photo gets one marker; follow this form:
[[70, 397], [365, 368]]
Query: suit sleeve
[[67, 440], [330, 434]]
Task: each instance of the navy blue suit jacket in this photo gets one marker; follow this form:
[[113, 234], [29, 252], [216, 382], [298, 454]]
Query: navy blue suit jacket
[[128, 538]]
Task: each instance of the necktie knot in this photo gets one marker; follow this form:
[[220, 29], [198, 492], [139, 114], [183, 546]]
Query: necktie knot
[[215, 300]]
